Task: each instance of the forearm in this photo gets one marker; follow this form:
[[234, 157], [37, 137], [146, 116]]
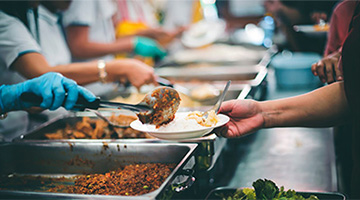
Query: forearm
[[82, 47], [93, 50], [34, 64], [323, 107]]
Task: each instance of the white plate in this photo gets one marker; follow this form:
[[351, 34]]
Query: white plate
[[180, 134], [310, 29], [203, 33]]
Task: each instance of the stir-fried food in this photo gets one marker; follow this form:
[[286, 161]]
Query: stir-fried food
[[132, 180], [211, 120], [165, 102], [98, 129]]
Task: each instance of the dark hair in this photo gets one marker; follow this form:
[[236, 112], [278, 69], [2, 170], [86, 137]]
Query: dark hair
[[307, 7], [18, 9]]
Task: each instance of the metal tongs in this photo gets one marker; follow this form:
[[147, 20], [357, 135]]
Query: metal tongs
[[158, 106], [81, 104]]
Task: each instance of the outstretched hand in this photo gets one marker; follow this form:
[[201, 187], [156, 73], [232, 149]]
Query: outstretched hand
[[245, 117]]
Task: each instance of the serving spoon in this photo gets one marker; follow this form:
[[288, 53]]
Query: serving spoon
[[216, 107]]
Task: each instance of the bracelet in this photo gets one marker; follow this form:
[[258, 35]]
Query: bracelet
[[102, 72], [3, 116]]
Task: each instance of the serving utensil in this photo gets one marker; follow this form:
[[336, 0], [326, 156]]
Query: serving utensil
[[112, 124], [82, 103], [217, 105], [157, 107]]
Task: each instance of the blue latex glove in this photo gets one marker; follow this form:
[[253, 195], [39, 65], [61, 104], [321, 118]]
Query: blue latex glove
[[148, 48], [50, 86]]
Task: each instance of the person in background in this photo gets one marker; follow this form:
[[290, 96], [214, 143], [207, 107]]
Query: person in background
[[334, 104], [20, 52], [328, 69], [147, 18], [290, 13], [91, 34], [51, 86], [22, 57]]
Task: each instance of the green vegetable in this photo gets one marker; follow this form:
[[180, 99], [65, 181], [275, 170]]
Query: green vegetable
[[264, 190]]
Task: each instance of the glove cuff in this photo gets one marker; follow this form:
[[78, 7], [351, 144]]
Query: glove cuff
[[10, 97], [2, 107]]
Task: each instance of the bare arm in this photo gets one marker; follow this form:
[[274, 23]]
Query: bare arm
[[323, 107], [31, 65], [82, 47]]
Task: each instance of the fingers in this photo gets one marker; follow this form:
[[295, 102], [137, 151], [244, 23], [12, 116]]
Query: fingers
[[329, 71], [221, 131], [72, 93], [338, 73], [319, 71], [47, 96], [227, 106], [89, 96], [314, 68], [59, 96]]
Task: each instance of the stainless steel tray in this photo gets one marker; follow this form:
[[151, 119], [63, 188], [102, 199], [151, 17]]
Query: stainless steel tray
[[321, 195], [56, 159], [251, 74], [209, 149], [210, 146]]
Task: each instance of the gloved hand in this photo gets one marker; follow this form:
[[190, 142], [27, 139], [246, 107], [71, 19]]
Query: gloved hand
[[50, 86], [148, 48]]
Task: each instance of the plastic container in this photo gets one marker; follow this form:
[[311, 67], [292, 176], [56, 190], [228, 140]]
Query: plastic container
[[293, 70]]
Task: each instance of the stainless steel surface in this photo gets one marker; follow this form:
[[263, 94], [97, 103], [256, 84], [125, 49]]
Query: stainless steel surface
[[241, 74], [106, 119], [210, 146], [56, 159]]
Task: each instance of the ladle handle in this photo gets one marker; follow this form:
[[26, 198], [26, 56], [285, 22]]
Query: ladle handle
[[80, 104]]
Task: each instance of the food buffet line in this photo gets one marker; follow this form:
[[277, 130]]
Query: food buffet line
[[50, 159]]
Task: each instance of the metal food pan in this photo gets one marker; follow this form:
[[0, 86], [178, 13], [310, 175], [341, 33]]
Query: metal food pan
[[61, 159], [252, 74], [210, 146], [213, 195]]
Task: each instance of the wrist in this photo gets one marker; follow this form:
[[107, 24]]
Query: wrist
[[102, 71], [9, 97]]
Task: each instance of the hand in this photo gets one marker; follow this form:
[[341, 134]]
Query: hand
[[245, 117], [328, 68], [136, 72], [148, 48], [50, 86]]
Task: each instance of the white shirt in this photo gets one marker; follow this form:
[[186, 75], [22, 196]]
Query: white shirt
[[15, 40], [137, 11], [178, 13], [97, 15], [51, 37]]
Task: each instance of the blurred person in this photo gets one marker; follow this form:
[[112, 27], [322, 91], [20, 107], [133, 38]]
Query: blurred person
[[55, 90], [91, 34], [22, 57], [328, 68], [290, 13], [146, 18], [331, 105], [21, 53]]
